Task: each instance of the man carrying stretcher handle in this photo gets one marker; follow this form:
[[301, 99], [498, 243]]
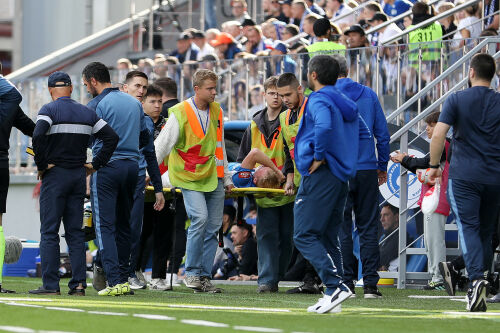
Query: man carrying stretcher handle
[[193, 140]]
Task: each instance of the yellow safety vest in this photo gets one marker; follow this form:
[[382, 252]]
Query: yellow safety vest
[[430, 51], [276, 152], [197, 160], [324, 47], [289, 132]]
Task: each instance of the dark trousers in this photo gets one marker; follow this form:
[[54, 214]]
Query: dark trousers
[[136, 216], [61, 197], [476, 208], [112, 191], [363, 199], [318, 212], [274, 242], [158, 229]]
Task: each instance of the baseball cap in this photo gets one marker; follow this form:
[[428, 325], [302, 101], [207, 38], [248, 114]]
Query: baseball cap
[[286, 2], [198, 34], [184, 36], [222, 38], [378, 16], [59, 79], [355, 28], [280, 46]]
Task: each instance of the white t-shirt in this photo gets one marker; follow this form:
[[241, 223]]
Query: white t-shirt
[[349, 20], [391, 30], [471, 23]]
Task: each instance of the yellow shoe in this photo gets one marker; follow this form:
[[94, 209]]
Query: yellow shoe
[[111, 291], [125, 288]]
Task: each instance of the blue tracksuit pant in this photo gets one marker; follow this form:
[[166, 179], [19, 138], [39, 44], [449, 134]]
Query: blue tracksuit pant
[[112, 191], [319, 214], [61, 197], [476, 208], [363, 199], [136, 216]]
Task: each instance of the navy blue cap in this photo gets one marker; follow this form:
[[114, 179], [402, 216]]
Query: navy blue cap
[[59, 79]]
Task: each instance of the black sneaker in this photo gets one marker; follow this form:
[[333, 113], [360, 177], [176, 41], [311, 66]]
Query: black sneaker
[[372, 292], [309, 287], [43, 291], [450, 277], [6, 291], [350, 285], [99, 279], [76, 292], [434, 286], [476, 296], [265, 288]]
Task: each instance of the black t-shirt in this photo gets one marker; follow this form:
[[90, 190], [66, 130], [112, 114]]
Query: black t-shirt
[[474, 114], [248, 262]]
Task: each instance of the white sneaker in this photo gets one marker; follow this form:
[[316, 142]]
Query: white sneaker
[[158, 284], [330, 303], [141, 277], [175, 280]]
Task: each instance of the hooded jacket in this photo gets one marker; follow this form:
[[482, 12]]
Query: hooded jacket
[[372, 125], [329, 131]]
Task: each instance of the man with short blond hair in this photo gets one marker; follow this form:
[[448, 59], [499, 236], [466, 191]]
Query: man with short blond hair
[[193, 140]]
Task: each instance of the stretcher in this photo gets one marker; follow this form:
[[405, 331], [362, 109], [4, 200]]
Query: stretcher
[[258, 192]]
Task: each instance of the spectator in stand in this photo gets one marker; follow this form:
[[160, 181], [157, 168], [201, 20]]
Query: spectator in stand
[[337, 8], [235, 29], [299, 12], [364, 186], [174, 68], [256, 42], [434, 223], [290, 31], [286, 8], [225, 46], [169, 94], [274, 11], [324, 30], [308, 26], [284, 64], [356, 37], [160, 69], [245, 28], [469, 26], [256, 100], [211, 34], [200, 40], [369, 10], [239, 10], [245, 247], [448, 23], [490, 7], [123, 65], [185, 49], [384, 33], [394, 8], [209, 61], [273, 29], [315, 8], [146, 66]]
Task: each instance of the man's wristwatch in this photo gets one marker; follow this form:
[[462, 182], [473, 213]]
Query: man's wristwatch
[[434, 166]]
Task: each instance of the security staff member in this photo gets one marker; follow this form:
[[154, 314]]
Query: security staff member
[[323, 30], [431, 52], [60, 140], [11, 115]]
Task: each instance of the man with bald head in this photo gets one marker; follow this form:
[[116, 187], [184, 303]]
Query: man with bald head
[[60, 140]]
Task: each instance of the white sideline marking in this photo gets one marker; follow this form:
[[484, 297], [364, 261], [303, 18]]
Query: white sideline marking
[[54, 332], [16, 329], [63, 309], [203, 323], [108, 313], [225, 308], [459, 300], [436, 297], [26, 299], [25, 305], [475, 314], [152, 316], [257, 329]]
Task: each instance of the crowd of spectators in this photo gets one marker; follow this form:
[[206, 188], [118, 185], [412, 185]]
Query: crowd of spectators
[[293, 29]]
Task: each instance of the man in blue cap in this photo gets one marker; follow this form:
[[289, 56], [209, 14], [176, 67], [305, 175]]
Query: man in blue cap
[[284, 64], [60, 139]]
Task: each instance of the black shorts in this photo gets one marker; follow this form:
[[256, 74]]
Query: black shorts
[[4, 188]]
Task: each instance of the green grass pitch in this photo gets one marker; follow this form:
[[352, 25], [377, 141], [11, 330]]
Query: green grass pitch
[[237, 309]]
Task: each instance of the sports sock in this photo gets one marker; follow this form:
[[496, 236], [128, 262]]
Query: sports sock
[[2, 252]]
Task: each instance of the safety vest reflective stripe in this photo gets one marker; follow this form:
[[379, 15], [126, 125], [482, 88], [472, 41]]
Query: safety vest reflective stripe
[[219, 152]]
